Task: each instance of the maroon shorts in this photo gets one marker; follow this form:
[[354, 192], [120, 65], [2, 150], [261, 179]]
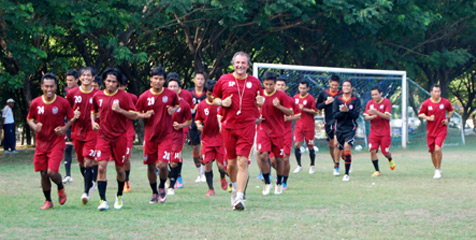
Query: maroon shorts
[[86, 149], [210, 153], [300, 135], [438, 140], [268, 144], [383, 141], [49, 156], [177, 141], [157, 150], [130, 140], [238, 142], [112, 151]]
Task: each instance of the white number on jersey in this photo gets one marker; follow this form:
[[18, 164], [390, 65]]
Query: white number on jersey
[[78, 99], [41, 109], [206, 111], [150, 101], [100, 102]]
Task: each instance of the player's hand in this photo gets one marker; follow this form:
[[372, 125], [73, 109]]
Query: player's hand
[[276, 102], [37, 127], [431, 118], [373, 111], [227, 101], [116, 107], [286, 118], [301, 106], [259, 120], [344, 108], [200, 127], [149, 114], [176, 125], [329, 100], [444, 122], [95, 126], [60, 131], [170, 110], [259, 99], [77, 113]]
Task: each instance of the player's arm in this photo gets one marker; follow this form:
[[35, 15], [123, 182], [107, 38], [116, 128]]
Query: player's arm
[[35, 126], [292, 117], [133, 115], [336, 111], [285, 110], [199, 125], [321, 103], [355, 113], [385, 115], [448, 118]]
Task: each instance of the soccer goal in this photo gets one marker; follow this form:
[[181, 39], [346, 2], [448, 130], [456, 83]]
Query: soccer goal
[[406, 97]]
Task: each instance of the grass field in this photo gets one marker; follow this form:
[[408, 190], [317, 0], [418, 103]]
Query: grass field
[[404, 204]]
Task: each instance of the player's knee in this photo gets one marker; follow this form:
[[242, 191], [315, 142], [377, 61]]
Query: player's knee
[[242, 162], [162, 166], [51, 173]]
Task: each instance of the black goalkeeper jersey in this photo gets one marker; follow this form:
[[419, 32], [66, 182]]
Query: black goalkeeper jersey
[[321, 104], [346, 121], [196, 98]]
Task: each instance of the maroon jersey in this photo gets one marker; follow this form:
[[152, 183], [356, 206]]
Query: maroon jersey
[[438, 109], [83, 100], [187, 96], [130, 128], [159, 126], [378, 125], [295, 107], [51, 115], [207, 114], [306, 122], [273, 118], [183, 114], [233, 117], [112, 124]]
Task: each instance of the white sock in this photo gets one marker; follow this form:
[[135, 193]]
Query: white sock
[[234, 185], [239, 196]]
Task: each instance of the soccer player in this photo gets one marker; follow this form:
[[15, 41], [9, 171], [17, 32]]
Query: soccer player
[[346, 110], [379, 111], [305, 127], [46, 117], [84, 137], [182, 119], [237, 94], [72, 77], [437, 111], [212, 141], [198, 95], [97, 83], [324, 101], [115, 108], [160, 103], [271, 131]]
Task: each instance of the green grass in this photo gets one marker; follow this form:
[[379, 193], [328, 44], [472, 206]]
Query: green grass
[[404, 204]]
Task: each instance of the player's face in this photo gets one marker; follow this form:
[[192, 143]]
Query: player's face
[[209, 96], [346, 87], [71, 82], [303, 89], [96, 86], [86, 78], [436, 92], [334, 86], [123, 87], [199, 80], [240, 64], [376, 95], [281, 85], [173, 85], [49, 88], [157, 82], [269, 86], [111, 83]]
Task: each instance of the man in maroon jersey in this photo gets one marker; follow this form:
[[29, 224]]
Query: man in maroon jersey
[[72, 77], [115, 109], [238, 95], [271, 131], [305, 128], [46, 118], [434, 110], [379, 112], [84, 137], [159, 103], [182, 119]]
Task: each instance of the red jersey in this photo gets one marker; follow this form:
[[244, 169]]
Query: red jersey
[[438, 109], [130, 129], [273, 118], [244, 89], [306, 122], [296, 110], [83, 100], [207, 114], [183, 114], [159, 125], [51, 115], [187, 97], [378, 125], [113, 124]]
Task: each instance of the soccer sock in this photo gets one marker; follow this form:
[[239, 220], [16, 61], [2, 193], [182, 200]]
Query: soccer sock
[[209, 177], [312, 155], [285, 179], [153, 186], [60, 186], [390, 159], [375, 162], [102, 189], [120, 187], [179, 169], [162, 183], [68, 159], [127, 175], [239, 195], [95, 173], [196, 159], [222, 174], [87, 179], [173, 176], [336, 164], [47, 195], [348, 160], [81, 169], [280, 178], [297, 154], [234, 186], [266, 178]]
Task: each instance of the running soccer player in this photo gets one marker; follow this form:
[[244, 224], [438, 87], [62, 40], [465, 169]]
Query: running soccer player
[[198, 95], [182, 119], [84, 137], [379, 111], [131, 133], [437, 111], [324, 101], [72, 77], [115, 108], [238, 95], [271, 131], [305, 127], [46, 117], [158, 104], [212, 142], [346, 110]]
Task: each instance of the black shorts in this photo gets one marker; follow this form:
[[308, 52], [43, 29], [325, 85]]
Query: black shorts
[[345, 137], [194, 135], [329, 131]]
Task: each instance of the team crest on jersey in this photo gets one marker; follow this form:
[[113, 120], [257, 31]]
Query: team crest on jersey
[[297, 101], [91, 101], [381, 106], [55, 110], [351, 107], [371, 106], [430, 108], [249, 84], [179, 109], [442, 106], [305, 102], [165, 99]]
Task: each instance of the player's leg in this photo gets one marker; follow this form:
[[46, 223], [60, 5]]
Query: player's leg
[[209, 178], [173, 173], [221, 163], [120, 177], [241, 179], [312, 152], [299, 137], [46, 187], [286, 170], [102, 184], [127, 170], [264, 167], [152, 176], [347, 159], [195, 140], [55, 156], [68, 158], [385, 148], [337, 155], [374, 143]]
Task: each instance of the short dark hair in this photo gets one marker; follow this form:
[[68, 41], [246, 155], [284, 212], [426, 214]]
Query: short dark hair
[[376, 88], [72, 72], [305, 82], [98, 80], [347, 80], [49, 76], [209, 85], [84, 69], [116, 72], [198, 72], [173, 77], [282, 79], [335, 78], [268, 75], [434, 86], [159, 71]]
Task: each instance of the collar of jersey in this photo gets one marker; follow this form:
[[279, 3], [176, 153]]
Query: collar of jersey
[[209, 103], [347, 100], [333, 93], [157, 93], [304, 96], [48, 102], [83, 91], [380, 101], [112, 94], [269, 95], [246, 76], [434, 101]]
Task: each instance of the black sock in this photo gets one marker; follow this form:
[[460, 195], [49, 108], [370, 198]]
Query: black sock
[[209, 177], [95, 173], [153, 186], [127, 175], [196, 160], [179, 166], [47, 195], [390, 159], [60, 186], [102, 189], [297, 154], [285, 179], [81, 169], [120, 187], [68, 159], [348, 161], [162, 182], [173, 176], [280, 178], [87, 179], [312, 155], [375, 162], [266, 178], [222, 174], [336, 164]]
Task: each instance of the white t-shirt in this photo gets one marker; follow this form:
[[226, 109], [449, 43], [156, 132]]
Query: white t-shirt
[[7, 114]]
